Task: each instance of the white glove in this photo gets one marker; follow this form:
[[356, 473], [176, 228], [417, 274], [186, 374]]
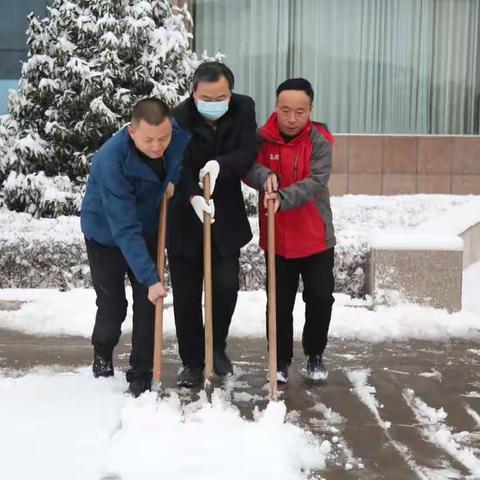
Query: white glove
[[200, 206], [212, 167]]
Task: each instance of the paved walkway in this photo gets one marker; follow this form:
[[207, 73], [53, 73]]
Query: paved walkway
[[388, 439]]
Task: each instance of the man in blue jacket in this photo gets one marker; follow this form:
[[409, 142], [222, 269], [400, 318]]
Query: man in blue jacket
[[119, 218]]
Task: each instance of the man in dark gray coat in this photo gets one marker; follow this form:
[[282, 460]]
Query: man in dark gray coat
[[223, 144]]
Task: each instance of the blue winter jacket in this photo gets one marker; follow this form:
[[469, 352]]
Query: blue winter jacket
[[123, 196]]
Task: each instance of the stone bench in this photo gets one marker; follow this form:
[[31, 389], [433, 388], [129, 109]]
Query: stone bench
[[416, 268], [425, 265]]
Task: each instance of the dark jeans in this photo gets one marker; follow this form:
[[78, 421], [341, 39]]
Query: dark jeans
[[186, 275], [108, 268], [318, 283]]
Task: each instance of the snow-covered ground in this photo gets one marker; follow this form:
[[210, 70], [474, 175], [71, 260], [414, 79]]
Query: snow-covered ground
[[59, 426], [76, 427], [355, 216], [69, 425], [51, 312], [434, 428]]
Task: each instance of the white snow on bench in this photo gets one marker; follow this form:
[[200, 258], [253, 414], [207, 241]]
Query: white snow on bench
[[414, 241], [455, 221]]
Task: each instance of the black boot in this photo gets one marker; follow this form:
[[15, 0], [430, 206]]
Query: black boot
[[190, 376], [139, 385], [222, 364], [102, 365]]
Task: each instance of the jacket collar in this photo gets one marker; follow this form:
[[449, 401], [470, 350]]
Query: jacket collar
[[135, 167]]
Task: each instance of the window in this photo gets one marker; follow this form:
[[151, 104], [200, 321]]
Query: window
[[377, 66]]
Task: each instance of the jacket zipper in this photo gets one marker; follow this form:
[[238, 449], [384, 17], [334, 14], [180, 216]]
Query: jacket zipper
[[295, 165]]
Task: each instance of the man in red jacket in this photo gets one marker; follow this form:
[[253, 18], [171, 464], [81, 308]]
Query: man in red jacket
[[293, 168]]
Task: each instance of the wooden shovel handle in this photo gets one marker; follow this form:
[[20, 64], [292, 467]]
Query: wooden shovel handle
[[207, 275], [158, 339], [272, 314]]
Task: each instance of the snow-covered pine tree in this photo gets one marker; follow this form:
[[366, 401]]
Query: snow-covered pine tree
[[88, 62]]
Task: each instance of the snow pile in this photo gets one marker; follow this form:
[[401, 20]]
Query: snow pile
[[50, 312], [64, 422], [87, 429], [210, 441], [403, 322]]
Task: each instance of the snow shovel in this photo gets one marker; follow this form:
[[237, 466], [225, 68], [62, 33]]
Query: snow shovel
[[158, 340], [272, 314], [207, 281]]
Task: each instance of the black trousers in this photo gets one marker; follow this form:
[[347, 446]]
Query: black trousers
[[317, 276], [186, 275], [108, 268]]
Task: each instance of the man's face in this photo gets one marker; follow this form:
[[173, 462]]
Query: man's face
[[293, 111], [213, 91], [152, 140]]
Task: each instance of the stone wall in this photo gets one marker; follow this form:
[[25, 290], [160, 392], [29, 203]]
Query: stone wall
[[402, 164]]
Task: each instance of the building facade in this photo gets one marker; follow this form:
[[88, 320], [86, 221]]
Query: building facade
[[397, 70], [13, 23]]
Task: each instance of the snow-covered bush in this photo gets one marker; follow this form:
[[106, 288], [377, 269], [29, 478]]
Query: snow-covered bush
[[350, 266], [251, 200], [41, 252], [40, 195], [50, 253], [88, 62], [8, 138], [43, 264]]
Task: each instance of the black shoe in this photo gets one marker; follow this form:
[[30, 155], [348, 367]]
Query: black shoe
[[102, 366], [315, 369], [190, 376], [139, 385], [282, 372], [222, 364]]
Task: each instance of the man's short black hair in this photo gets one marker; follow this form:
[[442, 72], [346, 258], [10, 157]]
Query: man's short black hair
[[152, 110], [296, 84], [211, 72]]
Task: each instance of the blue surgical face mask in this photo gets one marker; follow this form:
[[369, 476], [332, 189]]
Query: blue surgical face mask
[[212, 110]]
